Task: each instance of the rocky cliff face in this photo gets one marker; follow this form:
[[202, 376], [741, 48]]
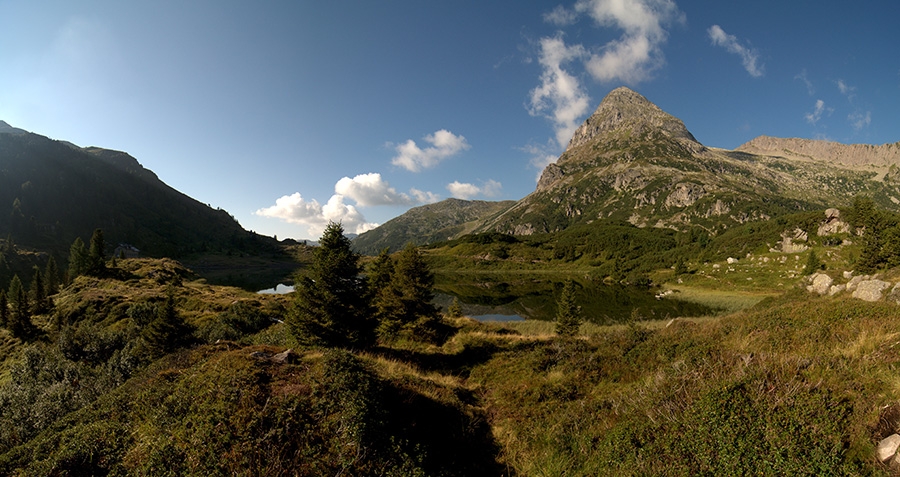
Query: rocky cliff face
[[849, 155]]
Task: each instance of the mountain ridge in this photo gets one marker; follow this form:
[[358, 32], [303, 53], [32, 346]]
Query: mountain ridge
[[631, 161]]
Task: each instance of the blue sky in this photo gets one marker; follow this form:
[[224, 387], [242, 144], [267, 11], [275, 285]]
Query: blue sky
[[288, 114]]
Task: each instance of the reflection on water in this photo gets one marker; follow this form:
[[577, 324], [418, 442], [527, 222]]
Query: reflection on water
[[534, 298], [279, 289]]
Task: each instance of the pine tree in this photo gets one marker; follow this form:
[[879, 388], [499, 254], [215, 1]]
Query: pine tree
[[568, 316], [97, 253], [454, 310], [813, 264], [168, 331], [330, 306], [37, 293], [51, 277], [19, 321], [414, 280], [78, 259], [4, 309]]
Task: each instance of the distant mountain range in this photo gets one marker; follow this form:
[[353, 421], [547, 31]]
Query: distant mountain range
[[53, 191], [631, 161]]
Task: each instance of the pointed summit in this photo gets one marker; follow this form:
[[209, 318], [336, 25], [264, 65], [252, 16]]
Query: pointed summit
[[623, 110]]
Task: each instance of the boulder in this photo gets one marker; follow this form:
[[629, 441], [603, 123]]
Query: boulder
[[835, 289], [855, 281], [870, 290], [287, 356], [887, 447], [894, 295], [821, 283]]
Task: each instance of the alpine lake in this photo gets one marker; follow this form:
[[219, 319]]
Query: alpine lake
[[522, 296]]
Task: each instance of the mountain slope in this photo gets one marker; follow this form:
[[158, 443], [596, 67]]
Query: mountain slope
[[444, 220], [632, 161], [52, 191]]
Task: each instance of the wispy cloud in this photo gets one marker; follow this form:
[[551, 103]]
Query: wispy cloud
[[749, 56], [818, 110], [859, 120], [462, 190], [845, 89], [560, 96], [444, 144], [809, 86]]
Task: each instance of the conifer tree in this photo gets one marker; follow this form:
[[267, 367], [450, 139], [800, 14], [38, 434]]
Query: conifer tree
[[330, 306], [97, 253], [168, 331], [568, 316], [407, 296], [19, 321], [78, 259], [4, 309], [454, 310], [37, 293], [51, 277]]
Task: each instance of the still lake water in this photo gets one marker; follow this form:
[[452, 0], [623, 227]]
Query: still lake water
[[512, 298]]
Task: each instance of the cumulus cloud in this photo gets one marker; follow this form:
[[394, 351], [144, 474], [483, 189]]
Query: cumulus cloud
[[364, 189], [295, 209], [462, 190], [638, 52], [816, 114], [560, 96], [370, 189], [749, 56], [444, 144]]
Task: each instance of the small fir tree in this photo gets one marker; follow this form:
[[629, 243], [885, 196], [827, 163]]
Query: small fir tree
[[97, 253], [19, 321], [568, 315], [4, 309], [330, 306], [51, 277], [37, 293], [813, 264], [454, 310], [168, 331], [78, 259], [407, 298]]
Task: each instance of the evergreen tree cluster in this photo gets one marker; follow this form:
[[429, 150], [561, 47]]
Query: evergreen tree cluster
[[336, 306]]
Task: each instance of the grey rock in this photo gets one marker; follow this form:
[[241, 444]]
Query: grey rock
[[821, 283], [870, 290], [887, 447]]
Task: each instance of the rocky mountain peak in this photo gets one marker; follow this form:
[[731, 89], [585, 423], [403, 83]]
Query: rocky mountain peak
[[623, 109]]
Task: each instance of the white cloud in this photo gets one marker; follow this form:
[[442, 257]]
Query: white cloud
[[634, 56], [631, 58], [444, 144], [846, 90], [370, 189], [816, 114], [859, 120], [296, 210], [560, 96], [461, 190], [423, 197], [809, 86], [749, 56], [541, 156], [561, 16]]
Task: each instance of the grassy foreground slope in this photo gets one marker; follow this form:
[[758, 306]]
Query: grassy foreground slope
[[797, 384]]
